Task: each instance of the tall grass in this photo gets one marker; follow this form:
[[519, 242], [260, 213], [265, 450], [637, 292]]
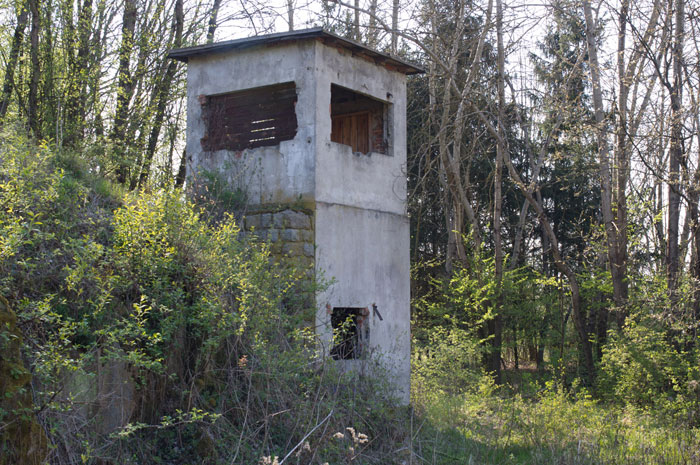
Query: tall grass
[[489, 425]]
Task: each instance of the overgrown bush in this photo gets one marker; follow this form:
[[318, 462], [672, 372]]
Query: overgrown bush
[[447, 364], [156, 333], [454, 315], [653, 362], [642, 367]]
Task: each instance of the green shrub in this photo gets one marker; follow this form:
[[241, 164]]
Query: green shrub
[[447, 364], [642, 367]]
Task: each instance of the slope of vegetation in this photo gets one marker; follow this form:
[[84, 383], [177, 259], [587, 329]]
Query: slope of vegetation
[[551, 427], [154, 333]]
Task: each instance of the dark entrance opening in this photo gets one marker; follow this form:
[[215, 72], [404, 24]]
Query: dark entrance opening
[[346, 337]]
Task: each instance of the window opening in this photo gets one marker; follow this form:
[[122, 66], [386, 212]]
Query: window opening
[[358, 121], [259, 117], [348, 323]]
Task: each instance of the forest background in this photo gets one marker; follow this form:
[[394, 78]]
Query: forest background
[[554, 181]]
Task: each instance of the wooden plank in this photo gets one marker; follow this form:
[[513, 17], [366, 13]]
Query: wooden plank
[[353, 130], [258, 91], [251, 100], [252, 107], [363, 133], [347, 131], [250, 119], [336, 130]]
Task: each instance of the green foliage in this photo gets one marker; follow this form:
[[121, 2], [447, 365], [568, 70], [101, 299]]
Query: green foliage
[[653, 363], [462, 299], [448, 362], [208, 339], [219, 191], [459, 308], [643, 368], [555, 426]]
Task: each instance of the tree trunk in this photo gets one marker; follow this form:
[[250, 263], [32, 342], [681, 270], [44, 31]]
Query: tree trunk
[[32, 100], [372, 30], [612, 234], [516, 354], [696, 270], [290, 14], [694, 225], [75, 104], [460, 185], [163, 93], [212, 21], [13, 58], [394, 26], [675, 153], [501, 147], [125, 88], [618, 256], [181, 171]]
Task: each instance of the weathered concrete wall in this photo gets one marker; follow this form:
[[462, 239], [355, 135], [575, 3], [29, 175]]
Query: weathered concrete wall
[[376, 181], [367, 252], [278, 174], [362, 229]]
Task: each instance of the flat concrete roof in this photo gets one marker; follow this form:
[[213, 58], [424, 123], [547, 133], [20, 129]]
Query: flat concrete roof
[[317, 33]]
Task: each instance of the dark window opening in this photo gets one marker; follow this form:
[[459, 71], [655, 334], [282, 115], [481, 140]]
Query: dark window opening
[[347, 323], [251, 118], [358, 121]]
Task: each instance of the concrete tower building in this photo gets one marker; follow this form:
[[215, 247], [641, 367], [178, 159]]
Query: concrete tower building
[[312, 127]]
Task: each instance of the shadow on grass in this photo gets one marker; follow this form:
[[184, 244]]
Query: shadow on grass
[[450, 447]]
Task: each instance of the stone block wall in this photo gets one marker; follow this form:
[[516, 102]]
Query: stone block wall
[[290, 231]]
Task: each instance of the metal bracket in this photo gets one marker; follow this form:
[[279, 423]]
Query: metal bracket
[[376, 312]]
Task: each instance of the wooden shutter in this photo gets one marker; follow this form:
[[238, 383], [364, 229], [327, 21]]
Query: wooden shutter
[[352, 129], [251, 118]]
